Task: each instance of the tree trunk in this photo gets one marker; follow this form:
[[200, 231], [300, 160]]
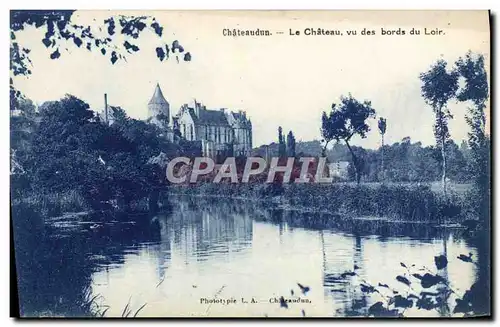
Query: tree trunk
[[355, 163], [443, 154], [323, 149], [382, 153]]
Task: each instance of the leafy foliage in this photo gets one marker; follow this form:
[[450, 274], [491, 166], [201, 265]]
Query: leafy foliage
[[471, 68], [345, 121], [435, 294], [438, 87], [404, 161], [290, 144], [382, 125], [282, 143], [63, 31], [72, 149]]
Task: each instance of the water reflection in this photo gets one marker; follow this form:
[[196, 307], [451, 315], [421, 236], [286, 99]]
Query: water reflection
[[200, 250]]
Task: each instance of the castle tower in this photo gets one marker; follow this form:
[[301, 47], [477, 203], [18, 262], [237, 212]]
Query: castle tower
[[158, 107]]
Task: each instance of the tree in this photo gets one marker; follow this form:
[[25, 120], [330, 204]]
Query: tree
[[382, 126], [472, 69], [438, 87], [281, 142], [72, 149], [345, 121], [290, 144], [65, 146], [327, 131], [457, 168], [63, 32]]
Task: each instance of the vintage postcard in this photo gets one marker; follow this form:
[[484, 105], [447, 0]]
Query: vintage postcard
[[250, 163]]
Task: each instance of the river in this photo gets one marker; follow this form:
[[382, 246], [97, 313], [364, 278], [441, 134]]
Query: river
[[176, 263]]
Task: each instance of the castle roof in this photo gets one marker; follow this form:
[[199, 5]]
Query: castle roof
[[158, 97], [203, 116], [208, 117], [212, 117]]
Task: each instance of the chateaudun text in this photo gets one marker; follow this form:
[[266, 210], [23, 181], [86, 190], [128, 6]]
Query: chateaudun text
[[318, 31]]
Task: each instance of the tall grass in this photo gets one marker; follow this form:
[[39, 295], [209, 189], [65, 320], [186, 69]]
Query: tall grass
[[52, 204], [413, 203]]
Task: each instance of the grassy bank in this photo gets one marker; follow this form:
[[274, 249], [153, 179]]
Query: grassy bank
[[58, 203], [51, 204], [399, 202], [412, 203]]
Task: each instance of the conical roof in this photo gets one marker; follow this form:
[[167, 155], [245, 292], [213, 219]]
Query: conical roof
[[158, 97]]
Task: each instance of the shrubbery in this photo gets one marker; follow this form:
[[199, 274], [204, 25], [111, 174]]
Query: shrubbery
[[69, 150], [396, 202]]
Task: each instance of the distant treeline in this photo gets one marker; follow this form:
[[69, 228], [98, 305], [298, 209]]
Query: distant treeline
[[404, 161]]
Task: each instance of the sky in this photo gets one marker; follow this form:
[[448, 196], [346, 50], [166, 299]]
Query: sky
[[279, 80]]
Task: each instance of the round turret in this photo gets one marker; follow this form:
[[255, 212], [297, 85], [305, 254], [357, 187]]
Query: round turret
[[158, 107]]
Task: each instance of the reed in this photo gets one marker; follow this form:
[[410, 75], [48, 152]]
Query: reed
[[412, 203], [52, 204]]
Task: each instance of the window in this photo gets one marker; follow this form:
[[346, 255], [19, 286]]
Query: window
[[191, 134]]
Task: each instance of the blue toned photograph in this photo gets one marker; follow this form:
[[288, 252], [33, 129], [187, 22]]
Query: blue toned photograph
[[250, 164]]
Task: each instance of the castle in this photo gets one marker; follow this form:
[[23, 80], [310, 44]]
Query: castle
[[217, 133]]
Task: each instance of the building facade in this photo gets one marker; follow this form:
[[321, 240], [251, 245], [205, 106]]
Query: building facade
[[219, 133], [339, 169]]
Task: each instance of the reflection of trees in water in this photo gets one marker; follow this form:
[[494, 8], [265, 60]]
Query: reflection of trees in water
[[360, 299], [55, 266], [484, 262], [444, 308], [53, 272], [356, 301], [341, 289], [346, 291], [481, 297], [199, 227], [159, 223], [320, 221]]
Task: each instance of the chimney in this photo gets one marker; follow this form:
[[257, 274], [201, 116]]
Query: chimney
[[106, 108]]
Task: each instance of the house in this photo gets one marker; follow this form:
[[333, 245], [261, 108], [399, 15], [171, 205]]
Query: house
[[338, 169]]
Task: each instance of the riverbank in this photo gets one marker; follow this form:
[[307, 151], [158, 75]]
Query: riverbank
[[402, 203], [384, 202]]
